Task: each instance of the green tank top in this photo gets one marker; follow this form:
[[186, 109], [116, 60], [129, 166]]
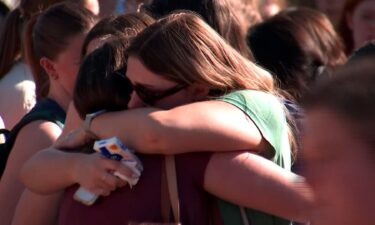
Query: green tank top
[[267, 112]]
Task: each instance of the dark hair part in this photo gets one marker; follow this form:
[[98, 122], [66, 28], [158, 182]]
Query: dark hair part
[[11, 33], [117, 25], [351, 94], [48, 34], [101, 82], [343, 27], [288, 45], [219, 14]]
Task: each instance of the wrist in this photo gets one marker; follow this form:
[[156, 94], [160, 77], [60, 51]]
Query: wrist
[[76, 161], [88, 123]]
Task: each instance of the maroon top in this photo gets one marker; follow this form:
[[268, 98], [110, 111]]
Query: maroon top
[[142, 203]]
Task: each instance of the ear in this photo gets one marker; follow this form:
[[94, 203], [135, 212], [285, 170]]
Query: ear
[[48, 66], [198, 91], [349, 20]]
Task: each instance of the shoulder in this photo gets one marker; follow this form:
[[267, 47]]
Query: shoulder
[[39, 129], [256, 104]]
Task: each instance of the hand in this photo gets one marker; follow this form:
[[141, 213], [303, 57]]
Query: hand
[[95, 173], [73, 140]]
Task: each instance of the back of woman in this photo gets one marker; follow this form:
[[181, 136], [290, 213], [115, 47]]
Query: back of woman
[[17, 88], [52, 42]]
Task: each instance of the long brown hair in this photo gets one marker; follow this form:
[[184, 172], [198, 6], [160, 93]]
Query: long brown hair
[[183, 48], [11, 34], [322, 31], [47, 35], [219, 14]]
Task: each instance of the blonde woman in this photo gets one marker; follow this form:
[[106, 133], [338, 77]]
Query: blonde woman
[[208, 98]]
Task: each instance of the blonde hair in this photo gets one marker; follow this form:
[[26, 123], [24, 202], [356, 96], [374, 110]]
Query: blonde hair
[[183, 48]]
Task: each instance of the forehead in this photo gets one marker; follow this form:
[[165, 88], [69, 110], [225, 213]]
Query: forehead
[[139, 74]]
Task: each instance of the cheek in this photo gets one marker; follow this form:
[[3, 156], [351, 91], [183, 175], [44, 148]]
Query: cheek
[[68, 76], [135, 102], [180, 98]]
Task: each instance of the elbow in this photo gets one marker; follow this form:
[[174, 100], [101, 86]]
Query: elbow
[[27, 179], [23, 175], [305, 203]]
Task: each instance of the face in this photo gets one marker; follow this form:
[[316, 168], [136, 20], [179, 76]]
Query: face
[[153, 90], [67, 63], [362, 23], [340, 170]]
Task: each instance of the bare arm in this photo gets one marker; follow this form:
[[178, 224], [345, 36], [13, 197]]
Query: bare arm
[[52, 170], [33, 137], [210, 125], [34, 209], [254, 182]]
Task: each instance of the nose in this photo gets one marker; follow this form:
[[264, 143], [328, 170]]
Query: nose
[[135, 101]]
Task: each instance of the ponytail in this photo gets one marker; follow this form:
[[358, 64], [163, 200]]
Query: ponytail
[[10, 41], [40, 76]]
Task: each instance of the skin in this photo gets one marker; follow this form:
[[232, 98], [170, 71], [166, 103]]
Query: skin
[[38, 134], [2, 126], [269, 9], [89, 170], [93, 6], [338, 161], [362, 23]]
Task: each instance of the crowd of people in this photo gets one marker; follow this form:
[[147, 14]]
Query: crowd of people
[[264, 109]]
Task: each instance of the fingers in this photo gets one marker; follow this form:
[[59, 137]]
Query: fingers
[[110, 182], [101, 175], [110, 171], [120, 170]]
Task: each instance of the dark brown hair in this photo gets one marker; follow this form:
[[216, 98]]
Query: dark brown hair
[[101, 82], [125, 24], [11, 33], [343, 27], [323, 33], [219, 14], [296, 45], [48, 34]]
